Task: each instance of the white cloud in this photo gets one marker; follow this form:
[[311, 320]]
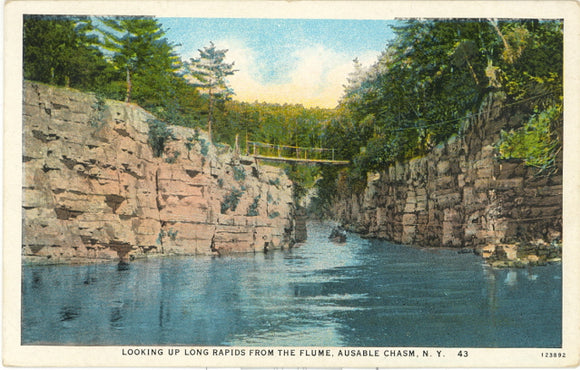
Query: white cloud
[[316, 79]]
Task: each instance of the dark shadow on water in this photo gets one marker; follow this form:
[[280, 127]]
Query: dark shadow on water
[[123, 266], [116, 315], [36, 280], [68, 313]]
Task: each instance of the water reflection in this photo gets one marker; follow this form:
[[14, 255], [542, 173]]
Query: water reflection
[[362, 293], [511, 278], [68, 313], [116, 317], [123, 266], [36, 280]]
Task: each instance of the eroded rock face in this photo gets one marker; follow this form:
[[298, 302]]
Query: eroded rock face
[[461, 195], [93, 189]]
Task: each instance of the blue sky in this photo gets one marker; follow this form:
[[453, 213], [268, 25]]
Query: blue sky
[[303, 61]]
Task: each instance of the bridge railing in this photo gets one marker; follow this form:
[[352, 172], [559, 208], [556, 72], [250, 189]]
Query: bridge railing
[[257, 148]]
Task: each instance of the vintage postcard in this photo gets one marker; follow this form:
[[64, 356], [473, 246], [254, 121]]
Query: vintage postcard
[[291, 184]]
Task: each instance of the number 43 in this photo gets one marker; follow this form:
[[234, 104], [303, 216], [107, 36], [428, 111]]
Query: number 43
[[462, 354]]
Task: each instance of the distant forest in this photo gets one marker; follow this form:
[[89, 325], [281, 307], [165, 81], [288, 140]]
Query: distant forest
[[418, 93]]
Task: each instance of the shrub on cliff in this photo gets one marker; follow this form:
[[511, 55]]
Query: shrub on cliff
[[535, 142], [159, 134], [253, 208], [98, 114], [239, 173], [204, 145], [231, 201]]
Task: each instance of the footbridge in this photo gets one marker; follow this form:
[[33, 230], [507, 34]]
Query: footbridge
[[292, 154]]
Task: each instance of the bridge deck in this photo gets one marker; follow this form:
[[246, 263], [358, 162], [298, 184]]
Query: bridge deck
[[301, 160], [292, 154]]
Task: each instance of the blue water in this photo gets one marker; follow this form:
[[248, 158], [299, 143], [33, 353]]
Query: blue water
[[361, 293]]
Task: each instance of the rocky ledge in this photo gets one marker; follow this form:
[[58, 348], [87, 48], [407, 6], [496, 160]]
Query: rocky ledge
[[519, 255], [93, 189], [463, 195]]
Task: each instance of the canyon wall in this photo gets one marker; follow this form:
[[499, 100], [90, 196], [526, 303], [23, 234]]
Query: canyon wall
[[93, 189], [462, 195]]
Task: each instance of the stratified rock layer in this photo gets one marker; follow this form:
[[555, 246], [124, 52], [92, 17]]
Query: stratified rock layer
[[461, 195], [94, 191]]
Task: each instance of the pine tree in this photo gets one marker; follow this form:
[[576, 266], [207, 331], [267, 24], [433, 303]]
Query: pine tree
[[61, 50], [138, 47], [209, 72]]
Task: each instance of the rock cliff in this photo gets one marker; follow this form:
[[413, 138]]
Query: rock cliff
[[93, 189], [461, 195]]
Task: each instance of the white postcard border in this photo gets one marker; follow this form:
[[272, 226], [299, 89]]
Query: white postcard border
[[15, 354]]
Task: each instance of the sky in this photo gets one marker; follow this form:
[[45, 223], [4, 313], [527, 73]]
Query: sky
[[296, 61]]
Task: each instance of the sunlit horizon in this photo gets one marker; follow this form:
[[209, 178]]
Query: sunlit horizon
[[284, 61]]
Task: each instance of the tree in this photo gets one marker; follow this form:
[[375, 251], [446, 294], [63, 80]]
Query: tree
[[138, 48], [62, 51], [435, 74], [209, 72]]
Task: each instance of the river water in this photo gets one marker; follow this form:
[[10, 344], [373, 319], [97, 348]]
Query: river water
[[361, 293]]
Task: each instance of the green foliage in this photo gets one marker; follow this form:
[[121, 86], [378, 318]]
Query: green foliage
[[96, 118], [433, 75], [173, 158], [437, 72], [204, 147], [160, 237], [172, 234], [62, 51], [129, 58], [532, 60], [231, 201], [303, 178], [189, 144], [239, 173], [181, 104], [253, 208], [417, 94], [281, 124], [139, 50], [534, 143], [287, 124], [209, 72], [429, 79], [327, 189], [119, 57], [413, 97], [159, 134], [274, 215]]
